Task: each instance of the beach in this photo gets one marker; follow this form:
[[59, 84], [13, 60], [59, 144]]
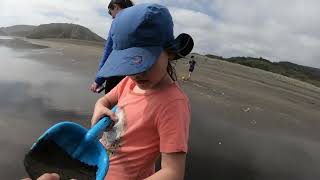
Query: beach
[[246, 123]]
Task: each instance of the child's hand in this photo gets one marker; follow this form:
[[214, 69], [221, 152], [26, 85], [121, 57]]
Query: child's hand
[[100, 110], [47, 176]]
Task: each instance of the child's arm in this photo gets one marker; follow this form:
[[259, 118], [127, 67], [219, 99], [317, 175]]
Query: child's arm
[[103, 106], [172, 167], [173, 128]]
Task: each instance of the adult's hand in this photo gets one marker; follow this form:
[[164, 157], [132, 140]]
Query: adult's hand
[[94, 86]]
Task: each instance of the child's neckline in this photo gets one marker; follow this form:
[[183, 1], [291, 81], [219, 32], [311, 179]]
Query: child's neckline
[[149, 92]]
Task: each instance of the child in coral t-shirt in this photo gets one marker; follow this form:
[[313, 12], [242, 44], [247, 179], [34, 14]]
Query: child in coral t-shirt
[[153, 113]]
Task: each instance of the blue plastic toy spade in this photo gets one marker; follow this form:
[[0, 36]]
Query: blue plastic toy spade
[[70, 150]]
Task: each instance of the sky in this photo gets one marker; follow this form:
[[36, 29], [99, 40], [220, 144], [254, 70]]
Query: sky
[[278, 30]]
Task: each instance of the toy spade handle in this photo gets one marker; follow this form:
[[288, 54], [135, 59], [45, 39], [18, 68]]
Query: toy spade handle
[[98, 128]]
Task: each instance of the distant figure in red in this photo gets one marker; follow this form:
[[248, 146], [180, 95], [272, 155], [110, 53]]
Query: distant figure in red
[[192, 64]]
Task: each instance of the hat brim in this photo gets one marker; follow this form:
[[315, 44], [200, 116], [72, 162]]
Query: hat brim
[[130, 61]]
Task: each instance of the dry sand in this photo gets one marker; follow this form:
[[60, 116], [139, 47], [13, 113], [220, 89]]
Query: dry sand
[[246, 123]]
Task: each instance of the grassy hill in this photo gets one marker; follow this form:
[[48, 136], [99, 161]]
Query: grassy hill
[[2, 33], [64, 31], [303, 73], [53, 30], [17, 30]]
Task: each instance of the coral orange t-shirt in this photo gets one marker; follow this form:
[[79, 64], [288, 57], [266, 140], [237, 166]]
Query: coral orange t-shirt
[[149, 124]]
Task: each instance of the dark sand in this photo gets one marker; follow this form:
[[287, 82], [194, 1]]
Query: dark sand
[[246, 123], [37, 162]]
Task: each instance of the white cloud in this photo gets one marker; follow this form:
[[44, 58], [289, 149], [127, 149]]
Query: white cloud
[[281, 30], [35, 12], [285, 30], [200, 26]]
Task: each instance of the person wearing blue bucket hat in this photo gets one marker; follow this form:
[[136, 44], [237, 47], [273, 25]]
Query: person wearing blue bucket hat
[[153, 113]]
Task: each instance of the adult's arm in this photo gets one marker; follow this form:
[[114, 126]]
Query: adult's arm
[[107, 51]]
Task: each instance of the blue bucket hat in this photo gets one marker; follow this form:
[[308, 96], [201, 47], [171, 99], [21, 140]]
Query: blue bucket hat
[[139, 33]]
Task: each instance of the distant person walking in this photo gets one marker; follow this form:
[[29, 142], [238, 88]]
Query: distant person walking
[[192, 64], [114, 7]]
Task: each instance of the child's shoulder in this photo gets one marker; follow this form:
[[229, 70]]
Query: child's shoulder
[[124, 85], [173, 100], [174, 92]]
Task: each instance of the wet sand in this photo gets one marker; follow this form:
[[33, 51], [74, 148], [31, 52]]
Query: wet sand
[[251, 124], [246, 123]]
